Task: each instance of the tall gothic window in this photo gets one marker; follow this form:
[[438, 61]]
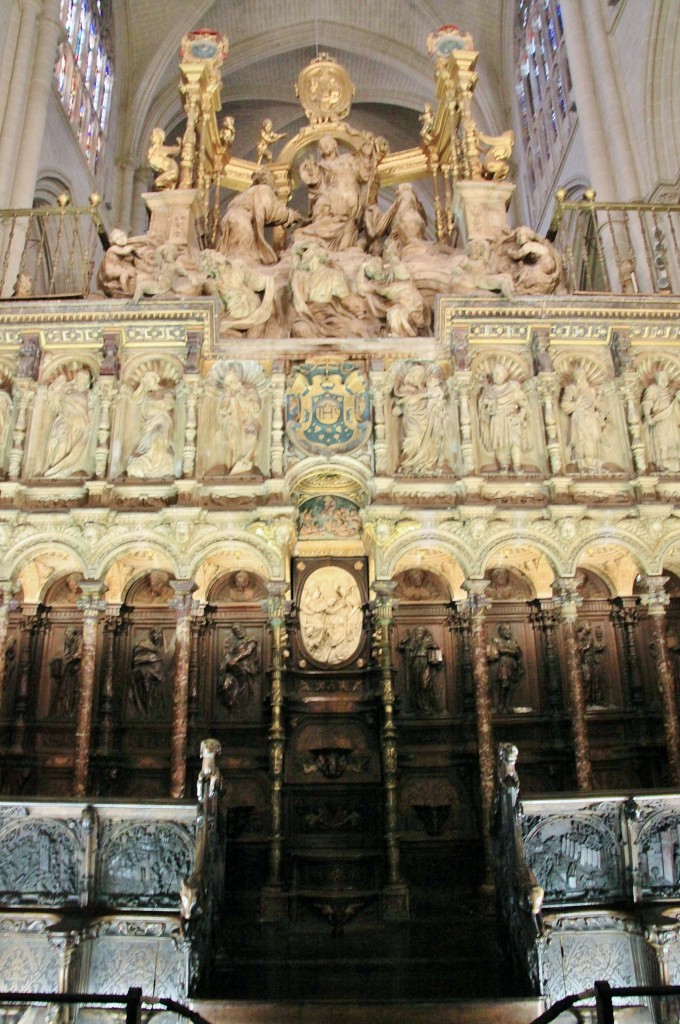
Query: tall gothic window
[[84, 73], [543, 83]]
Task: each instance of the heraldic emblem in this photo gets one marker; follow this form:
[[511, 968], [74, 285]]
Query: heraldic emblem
[[327, 408]]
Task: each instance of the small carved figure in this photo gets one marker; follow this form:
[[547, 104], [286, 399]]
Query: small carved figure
[[323, 301], [419, 585], [591, 646], [427, 126], [503, 419], [472, 272], [661, 417], [248, 214], [227, 132], [162, 160], [507, 764], [391, 294], [540, 348], [65, 674], [154, 454], [505, 655], [267, 137], [172, 272], [244, 587], [210, 777], [423, 660], [238, 412], [421, 403], [117, 274], [584, 404], [239, 668], [23, 286], [533, 262], [246, 294], [495, 152], [147, 683], [188, 898], [68, 399]]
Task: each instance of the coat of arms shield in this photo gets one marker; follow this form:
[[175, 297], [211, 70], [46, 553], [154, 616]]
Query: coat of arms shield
[[327, 408]]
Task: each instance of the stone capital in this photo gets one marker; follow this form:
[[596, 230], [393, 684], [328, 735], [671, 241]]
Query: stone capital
[[477, 601], [655, 596], [566, 597], [182, 603], [91, 602], [275, 604]]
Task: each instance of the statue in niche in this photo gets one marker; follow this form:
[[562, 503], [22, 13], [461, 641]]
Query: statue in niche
[[503, 419], [147, 683], [5, 413], [419, 585], [586, 409], [338, 189], [65, 675], [239, 668], [267, 137], [162, 160], [331, 618], [69, 399], [423, 660], [505, 656], [661, 417], [238, 413], [591, 647], [244, 586], [503, 586], [421, 403], [247, 215], [154, 455]]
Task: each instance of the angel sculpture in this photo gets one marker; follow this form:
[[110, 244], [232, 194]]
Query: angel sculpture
[[162, 160], [267, 137]]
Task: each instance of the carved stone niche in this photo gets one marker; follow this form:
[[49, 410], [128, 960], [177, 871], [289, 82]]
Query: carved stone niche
[[507, 418], [420, 585], [234, 422], [145, 658], [659, 380], [147, 435], [60, 661], [431, 805], [331, 751], [592, 422], [238, 587], [507, 584], [64, 416]]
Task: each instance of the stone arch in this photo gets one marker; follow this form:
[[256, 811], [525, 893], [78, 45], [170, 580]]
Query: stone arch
[[37, 566], [531, 562], [126, 564], [616, 561], [432, 555]]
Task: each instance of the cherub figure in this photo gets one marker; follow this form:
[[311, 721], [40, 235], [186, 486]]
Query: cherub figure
[[227, 132], [162, 160], [267, 137]]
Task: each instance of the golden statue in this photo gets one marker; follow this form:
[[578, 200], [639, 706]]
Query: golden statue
[[267, 137], [162, 160]]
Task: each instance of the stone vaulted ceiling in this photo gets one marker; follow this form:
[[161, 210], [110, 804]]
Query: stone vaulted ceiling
[[382, 44]]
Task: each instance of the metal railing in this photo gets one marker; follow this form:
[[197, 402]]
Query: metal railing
[[602, 994], [132, 1004], [49, 251], [624, 248]]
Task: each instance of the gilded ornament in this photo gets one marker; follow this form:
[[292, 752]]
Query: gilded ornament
[[325, 90]]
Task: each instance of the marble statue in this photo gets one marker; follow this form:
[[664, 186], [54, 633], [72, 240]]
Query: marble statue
[[238, 670], [242, 230], [162, 160], [420, 401], [331, 617], [65, 674], [267, 137], [505, 656], [238, 414], [209, 780], [68, 440], [245, 293], [323, 301], [584, 405], [503, 419], [154, 455], [532, 261], [423, 660], [661, 418], [147, 682], [391, 294], [591, 647]]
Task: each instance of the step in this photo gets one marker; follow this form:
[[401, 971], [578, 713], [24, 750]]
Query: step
[[457, 1011]]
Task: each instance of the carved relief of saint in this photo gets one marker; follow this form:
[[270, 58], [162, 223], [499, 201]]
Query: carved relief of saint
[[584, 404], [238, 413], [147, 685], [65, 675], [154, 455], [503, 419], [505, 656], [421, 403], [591, 647], [68, 440], [423, 661], [330, 615], [238, 669], [661, 417], [5, 414]]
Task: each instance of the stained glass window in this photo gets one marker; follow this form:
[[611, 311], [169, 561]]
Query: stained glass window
[[84, 72]]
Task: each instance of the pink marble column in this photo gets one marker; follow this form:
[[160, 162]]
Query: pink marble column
[[91, 605], [655, 600], [183, 606], [567, 601], [477, 603]]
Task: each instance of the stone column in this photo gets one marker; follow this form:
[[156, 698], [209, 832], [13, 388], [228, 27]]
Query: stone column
[[24, 390], [275, 606], [460, 385], [396, 903], [567, 601], [91, 605], [477, 603], [108, 389], [7, 588], [278, 389], [183, 606], [17, 99], [655, 599], [547, 386], [192, 391], [377, 383]]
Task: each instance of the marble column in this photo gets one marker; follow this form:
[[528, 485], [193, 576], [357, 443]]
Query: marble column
[[567, 601], [183, 606], [91, 605], [477, 603], [655, 599], [7, 588], [276, 606], [397, 896]]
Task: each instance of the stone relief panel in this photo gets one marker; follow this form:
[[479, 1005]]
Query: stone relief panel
[[592, 422], [658, 841], [148, 423], [239, 586], [324, 753], [660, 413], [331, 616], [142, 864], [572, 960], [39, 864], [507, 416], [62, 431], [416, 585], [329, 516], [157, 967], [234, 421], [25, 959], [424, 433]]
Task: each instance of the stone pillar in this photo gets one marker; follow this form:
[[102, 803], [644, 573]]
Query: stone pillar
[[15, 109], [477, 603], [567, 601], [629, 386], [377, 382], [7, 588], [183, 606], [547, 386], [278, 389], [30, 625], [655, 599], [460, 385], [625, 613], [272, 897], [396, 897], [192, 391], [24, 391], [91, 605], [108, 388], [112, 626]]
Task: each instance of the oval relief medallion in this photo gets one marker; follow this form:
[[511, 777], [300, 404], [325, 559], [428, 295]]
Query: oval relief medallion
[[330, 615]]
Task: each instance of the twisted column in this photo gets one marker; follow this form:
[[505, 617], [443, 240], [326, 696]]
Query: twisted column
[[112, 627], [567, 601], [183, 605], [275, 606], [91, 605], [655, 600]]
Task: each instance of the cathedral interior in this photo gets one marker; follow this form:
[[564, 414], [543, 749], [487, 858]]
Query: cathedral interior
[[339, 552]]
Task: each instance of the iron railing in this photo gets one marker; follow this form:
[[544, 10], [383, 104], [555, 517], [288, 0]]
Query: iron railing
[[132, 1004], [602, 995], [624, 248]]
